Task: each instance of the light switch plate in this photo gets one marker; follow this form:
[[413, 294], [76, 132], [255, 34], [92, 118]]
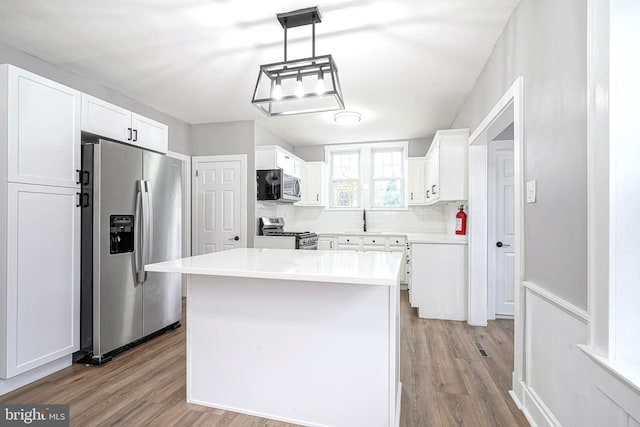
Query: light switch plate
[[531, 191]]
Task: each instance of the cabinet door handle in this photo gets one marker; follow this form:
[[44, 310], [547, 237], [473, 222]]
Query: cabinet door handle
[[79, 200], [433, 189], [85, 200], [412, 195], [130, 134], [317, 197], [86, 175], [135, 135], [428, 197], [79, 172]]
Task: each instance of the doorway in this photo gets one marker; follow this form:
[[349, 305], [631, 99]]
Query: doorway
[[509, 109], [219, 203]]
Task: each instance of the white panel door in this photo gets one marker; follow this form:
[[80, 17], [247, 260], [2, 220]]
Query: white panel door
[[150, 134], [44, 130], [105, 119], [504, 228], [43, 276], [219, 192]]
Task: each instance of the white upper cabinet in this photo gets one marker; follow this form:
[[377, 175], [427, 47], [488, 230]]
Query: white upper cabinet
[[150, 134], [313, 184], [105, 119], [446, 164], [110, 121], [275, 157], [417, 184], [43, 124]]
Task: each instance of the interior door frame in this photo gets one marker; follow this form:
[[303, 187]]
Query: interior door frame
[[509, 108], [195, 161]]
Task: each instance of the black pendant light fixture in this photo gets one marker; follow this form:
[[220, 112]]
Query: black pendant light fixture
[[299, 86]]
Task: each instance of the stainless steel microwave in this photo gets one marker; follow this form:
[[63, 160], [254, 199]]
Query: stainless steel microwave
[[274, 184]]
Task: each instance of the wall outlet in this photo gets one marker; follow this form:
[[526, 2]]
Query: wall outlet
[[531, 191]]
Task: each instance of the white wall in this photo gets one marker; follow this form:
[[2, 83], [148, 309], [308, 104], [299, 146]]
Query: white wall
[[178, 130]]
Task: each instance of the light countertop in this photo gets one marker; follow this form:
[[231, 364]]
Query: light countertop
[[365, 268], [436, 238]]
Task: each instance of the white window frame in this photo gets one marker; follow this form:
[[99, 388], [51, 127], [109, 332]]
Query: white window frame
[[403, 177], [366, 172], [331, 180]]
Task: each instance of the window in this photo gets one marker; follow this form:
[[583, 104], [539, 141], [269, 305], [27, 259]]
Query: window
[[387, 179], [345, 179], [369, 176]]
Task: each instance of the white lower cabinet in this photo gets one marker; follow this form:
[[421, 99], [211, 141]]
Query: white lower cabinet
[[326, 243], [439, 280], [377, 242], [43, 277]]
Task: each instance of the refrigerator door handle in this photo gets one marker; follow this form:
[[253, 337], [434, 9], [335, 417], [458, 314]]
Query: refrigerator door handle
[[138, 226], [148, 238]]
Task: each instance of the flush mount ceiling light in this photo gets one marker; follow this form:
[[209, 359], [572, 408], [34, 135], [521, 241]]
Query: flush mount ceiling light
[[347, 117], [307, 85]]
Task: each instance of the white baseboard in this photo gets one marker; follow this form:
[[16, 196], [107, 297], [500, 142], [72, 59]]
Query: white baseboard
[[536, 411], [33, 375]]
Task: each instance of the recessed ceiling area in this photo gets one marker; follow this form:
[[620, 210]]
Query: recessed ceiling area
[[406, 65]]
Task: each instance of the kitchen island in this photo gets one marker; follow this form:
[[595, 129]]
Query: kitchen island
[[307, 337]]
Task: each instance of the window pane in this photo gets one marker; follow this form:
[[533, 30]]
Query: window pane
[[387, 164], [387, 193], [346, 194], [345, 165]]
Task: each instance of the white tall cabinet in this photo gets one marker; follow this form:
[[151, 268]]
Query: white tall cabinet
[[40, 217]]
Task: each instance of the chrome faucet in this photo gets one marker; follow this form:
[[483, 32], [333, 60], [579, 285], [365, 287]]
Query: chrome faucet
[[364, 220]]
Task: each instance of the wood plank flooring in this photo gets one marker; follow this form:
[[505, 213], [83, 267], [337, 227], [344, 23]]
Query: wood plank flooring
[[446, 382]]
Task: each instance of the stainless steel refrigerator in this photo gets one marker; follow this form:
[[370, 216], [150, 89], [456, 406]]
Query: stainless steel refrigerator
[[131, 216]]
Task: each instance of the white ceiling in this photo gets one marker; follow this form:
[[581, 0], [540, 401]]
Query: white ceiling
[[405, 65]]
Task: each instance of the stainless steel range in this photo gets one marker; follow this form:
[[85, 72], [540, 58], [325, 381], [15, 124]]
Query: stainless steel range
[[271, 234]]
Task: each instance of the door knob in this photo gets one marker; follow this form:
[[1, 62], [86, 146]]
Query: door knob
[[500, 244], [236, 238]]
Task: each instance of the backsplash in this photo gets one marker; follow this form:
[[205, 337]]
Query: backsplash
[[423, 219]]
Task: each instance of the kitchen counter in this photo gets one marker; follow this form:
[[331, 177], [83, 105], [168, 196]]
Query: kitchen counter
[[305, 337], [438, 238]]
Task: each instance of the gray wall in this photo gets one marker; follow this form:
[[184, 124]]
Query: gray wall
[[315, 153], [310, 153], [178, 130], [230, 138], [546, 42], [264, 136]]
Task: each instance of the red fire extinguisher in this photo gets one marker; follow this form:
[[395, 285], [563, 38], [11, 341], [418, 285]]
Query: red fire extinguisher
[[461, 221]]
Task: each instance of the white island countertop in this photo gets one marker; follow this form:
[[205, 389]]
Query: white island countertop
[[366, 268]]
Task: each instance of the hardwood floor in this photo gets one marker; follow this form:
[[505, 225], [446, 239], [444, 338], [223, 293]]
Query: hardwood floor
[[446, 382]]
